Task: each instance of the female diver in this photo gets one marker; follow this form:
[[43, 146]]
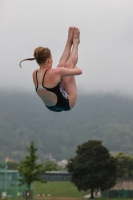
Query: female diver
[[57, 87]]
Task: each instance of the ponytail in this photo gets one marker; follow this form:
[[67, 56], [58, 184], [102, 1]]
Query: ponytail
[[26, 59], [41, 54]]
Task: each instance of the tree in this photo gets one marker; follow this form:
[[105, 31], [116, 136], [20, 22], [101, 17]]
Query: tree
[[50, 165], [12, 165], [124, 166], [92, 167], [29, 169]]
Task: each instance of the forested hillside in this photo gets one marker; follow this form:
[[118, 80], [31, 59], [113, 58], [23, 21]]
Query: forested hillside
[[23, 118]]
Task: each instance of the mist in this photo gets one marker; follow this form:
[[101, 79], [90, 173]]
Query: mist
[[105, 50]]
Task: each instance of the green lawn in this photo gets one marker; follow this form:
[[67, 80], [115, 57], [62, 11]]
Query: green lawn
[[60, 189]]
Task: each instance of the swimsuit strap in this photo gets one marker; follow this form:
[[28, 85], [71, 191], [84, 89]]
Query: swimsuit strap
[[36, 80], [43, 78]]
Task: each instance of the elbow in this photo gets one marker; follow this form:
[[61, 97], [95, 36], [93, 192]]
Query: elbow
[[80, 72]]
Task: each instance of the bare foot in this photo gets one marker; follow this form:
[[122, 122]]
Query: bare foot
[[70, 34], [76, 34]]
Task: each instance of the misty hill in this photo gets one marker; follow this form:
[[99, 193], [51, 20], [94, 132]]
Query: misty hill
[[23, 118]]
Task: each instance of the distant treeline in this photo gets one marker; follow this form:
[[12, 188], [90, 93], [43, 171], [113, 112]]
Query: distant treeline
[[24, 118]]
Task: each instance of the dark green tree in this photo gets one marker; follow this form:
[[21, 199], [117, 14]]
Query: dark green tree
[[92, 167], [29, 169]]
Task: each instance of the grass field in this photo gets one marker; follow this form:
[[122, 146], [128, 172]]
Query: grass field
[[57, 189]]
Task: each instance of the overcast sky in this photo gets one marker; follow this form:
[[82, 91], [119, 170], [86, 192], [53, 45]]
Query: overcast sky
[[105, 51]]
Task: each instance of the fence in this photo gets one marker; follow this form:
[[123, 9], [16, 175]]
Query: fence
[[9, 183], [118, 193]]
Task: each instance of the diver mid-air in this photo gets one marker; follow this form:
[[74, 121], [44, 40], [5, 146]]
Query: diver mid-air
[[57, 87]]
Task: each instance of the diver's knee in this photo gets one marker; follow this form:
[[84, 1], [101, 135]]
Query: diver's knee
[[68, 64]]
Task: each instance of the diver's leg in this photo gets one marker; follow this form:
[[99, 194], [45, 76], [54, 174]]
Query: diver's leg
[[67, 50], [73, 58], [69, 83]]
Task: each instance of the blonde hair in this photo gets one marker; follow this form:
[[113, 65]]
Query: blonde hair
[[41, 54]]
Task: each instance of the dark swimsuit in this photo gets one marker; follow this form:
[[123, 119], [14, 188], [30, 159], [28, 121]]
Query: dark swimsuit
[[62, 97]]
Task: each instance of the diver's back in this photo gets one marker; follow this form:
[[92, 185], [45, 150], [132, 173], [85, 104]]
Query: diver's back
[[49, 98]]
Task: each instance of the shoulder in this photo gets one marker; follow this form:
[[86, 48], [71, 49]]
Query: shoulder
[[34, 72], [34, 75], [53, 74], [54, 71]]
